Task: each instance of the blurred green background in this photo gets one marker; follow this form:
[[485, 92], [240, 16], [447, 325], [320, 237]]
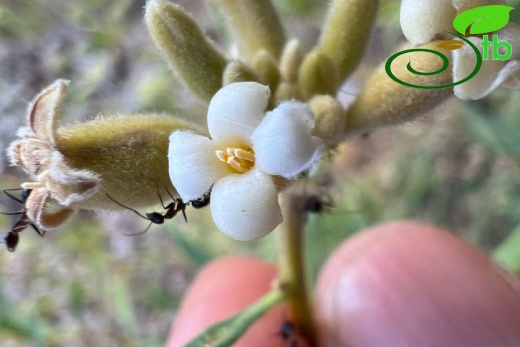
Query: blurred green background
[[87, 284]]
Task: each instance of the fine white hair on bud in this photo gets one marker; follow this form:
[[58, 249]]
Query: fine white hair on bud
[[75, 166]]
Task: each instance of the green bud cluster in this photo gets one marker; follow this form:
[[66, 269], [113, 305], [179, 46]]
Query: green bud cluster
[[265, 55]]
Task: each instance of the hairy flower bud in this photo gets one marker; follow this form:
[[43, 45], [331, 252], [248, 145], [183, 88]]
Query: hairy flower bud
[[238, 71], [255, 26], [384, 101], [346, 32], [330, 118], [189, 53], [76, 166], [317, 75]]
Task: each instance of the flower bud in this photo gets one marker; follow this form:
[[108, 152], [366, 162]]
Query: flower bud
[[330, 117], [188, 52], [384, 101], [346, 32], [255, 26], [290, 61], [267, 69], [317, 74], [76, 166], [238, 71]]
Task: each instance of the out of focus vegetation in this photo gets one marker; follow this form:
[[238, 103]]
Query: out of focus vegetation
[[87, 284]]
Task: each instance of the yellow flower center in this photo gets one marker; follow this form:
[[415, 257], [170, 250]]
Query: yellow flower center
[[242, 160]]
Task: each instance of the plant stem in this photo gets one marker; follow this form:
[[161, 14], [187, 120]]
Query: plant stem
[[291, 262], [227, 332]]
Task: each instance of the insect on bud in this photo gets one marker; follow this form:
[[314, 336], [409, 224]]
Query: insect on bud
[[76, 166]]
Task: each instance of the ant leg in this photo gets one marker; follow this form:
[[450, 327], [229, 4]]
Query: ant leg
[[13, 213], [170, 194], [179, 205], [38, 231], [183, 209], [160, 197], [140, 233], [128, 208], [12, 196]]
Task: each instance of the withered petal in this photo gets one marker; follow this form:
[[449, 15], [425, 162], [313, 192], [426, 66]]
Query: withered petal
[[45, 211], [44, 110]]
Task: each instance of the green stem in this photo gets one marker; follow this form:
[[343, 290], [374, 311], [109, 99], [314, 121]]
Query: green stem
[[227, 332], [291, 263]]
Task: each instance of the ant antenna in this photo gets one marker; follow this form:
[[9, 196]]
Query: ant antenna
[[126, 207], [155, 217], [136, 212]]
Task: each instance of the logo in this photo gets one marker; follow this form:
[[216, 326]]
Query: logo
[[476, 21]]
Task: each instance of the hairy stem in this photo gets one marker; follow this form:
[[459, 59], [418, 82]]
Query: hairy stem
[[291, 262]]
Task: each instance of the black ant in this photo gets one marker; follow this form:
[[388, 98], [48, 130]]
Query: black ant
[[12, 238], [155, 217], [288, 333], [201, 202], [317, 203]]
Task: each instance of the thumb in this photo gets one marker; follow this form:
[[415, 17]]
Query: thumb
[[409, 284]]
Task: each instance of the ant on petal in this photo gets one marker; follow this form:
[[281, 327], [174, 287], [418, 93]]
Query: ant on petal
[[156, 217], [12, 238], [201, 202]]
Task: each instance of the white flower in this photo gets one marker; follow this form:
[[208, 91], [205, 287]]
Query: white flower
[[247, 148], [493, 73], [422, 19]]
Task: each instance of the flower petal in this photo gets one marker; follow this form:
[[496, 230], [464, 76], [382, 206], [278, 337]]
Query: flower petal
[[193, 165], [513, 82], [45, 211], [490, 76], [245, 207], [236, 110], [283, 143], [421, 20], [511, 33]]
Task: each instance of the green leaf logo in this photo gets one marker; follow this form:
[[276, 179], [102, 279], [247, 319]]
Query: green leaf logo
[[482, 20]]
